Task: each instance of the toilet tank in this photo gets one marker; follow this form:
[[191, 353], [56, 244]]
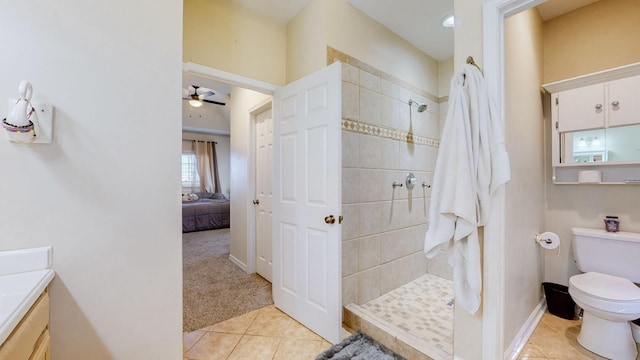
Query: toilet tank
[[605, 252]]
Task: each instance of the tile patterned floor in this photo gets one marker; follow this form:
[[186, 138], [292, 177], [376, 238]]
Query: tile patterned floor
[[422, 310], [555, 338], [263, 334], [270, 334]]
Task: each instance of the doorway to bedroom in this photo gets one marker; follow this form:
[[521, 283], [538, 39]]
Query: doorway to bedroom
[[219, 282]]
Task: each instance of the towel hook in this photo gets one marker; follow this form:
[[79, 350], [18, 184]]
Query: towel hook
[[473, 62]]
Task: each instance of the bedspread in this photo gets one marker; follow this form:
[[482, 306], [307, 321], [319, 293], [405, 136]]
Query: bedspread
[[205, 214]]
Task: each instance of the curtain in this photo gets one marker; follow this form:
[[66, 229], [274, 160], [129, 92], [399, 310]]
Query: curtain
[[214, 164], [207, 165]]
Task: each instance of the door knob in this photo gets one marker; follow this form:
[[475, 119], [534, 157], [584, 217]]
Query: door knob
[[330, 219], [615, 103], [256, 202], [340, 218], [599, 107]]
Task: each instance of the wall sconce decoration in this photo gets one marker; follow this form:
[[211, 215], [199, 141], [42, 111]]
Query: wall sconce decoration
[[28, 122]]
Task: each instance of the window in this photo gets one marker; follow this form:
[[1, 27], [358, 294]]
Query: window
[[190, 178]]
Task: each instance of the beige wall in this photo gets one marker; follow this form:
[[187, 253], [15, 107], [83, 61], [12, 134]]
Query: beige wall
[[468, 31], [468, 42], [524, 194], [596, 37], [224, 35], [241, 186], [307, 40], [593, 38], [104, 194], [445, 73], [354, 33]]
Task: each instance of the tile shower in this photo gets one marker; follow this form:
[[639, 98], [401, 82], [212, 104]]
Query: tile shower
[[383, 139]]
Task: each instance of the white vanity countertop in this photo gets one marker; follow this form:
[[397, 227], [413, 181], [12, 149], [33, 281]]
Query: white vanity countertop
[[20, 290]]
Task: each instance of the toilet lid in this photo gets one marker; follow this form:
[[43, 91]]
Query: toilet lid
[[606, 287]]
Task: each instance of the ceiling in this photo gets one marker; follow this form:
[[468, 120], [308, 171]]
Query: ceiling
[[554, 8]]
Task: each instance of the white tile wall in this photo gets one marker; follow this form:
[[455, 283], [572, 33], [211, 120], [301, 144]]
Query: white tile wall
[[383, 231]]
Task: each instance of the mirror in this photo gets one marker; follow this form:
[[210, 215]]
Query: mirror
[[612, 145]]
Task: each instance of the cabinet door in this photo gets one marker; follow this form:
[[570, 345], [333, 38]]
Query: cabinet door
[[624, 101], [581, 108]]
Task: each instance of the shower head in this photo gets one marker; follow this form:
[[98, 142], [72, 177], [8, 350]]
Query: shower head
[[421, 107]]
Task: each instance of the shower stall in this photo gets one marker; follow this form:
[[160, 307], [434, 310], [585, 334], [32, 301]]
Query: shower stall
[[390, 139]]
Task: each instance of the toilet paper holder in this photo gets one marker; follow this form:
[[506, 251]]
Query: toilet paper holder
[[548, 240], [538, 238]]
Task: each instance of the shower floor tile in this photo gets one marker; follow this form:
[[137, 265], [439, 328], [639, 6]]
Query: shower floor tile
[[421, 310]]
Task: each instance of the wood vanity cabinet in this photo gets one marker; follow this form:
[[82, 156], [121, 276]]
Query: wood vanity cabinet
[[603, 105], [30, 339]]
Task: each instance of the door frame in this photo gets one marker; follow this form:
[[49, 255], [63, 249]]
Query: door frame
[[248, 207]]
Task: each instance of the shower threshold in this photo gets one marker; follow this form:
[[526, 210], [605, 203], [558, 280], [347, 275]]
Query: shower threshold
[[414, 320]]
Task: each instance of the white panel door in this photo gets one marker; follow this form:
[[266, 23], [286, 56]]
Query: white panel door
[[264, 194], [307, 189]]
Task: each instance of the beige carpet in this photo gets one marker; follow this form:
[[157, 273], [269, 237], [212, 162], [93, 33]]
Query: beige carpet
[[214, 288]]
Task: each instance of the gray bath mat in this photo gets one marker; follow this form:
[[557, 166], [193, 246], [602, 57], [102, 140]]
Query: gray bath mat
[[359, 347]]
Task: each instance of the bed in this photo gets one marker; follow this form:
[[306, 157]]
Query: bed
[[209, 211]]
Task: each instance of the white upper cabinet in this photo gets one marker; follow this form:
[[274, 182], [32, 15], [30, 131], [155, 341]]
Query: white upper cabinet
[[595, 121], [601, 105], [581, 108], [624, 101]]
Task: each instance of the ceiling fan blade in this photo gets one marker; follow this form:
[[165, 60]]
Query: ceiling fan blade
[[214, 102], [203, 90], [204, 95]]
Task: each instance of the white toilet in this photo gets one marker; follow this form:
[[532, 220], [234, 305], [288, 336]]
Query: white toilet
[[606, 291]]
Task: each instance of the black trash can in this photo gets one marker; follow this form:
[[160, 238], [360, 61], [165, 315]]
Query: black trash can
[[559, 302]]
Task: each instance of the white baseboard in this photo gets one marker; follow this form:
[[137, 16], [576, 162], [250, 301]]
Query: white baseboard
[[525, 331], [239, 263]]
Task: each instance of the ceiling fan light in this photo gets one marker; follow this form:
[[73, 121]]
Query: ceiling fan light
[[195, 103]]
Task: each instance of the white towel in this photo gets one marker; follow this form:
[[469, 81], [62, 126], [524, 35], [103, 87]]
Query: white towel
[[472, 163]]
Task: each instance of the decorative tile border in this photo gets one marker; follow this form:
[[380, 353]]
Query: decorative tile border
[[368, 129]]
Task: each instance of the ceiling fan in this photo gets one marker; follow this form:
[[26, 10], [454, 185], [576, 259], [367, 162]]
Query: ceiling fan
[[197, 95]]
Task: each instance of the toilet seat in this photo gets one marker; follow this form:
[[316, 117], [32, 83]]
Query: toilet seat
[[606, 287]]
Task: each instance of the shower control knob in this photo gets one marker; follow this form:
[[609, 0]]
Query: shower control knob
[[410, 181]]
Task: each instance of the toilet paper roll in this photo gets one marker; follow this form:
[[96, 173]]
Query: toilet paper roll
[[549, 240]]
